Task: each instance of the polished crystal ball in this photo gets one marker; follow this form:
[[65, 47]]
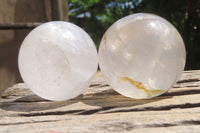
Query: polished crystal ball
[[57, 60], [142, 56]]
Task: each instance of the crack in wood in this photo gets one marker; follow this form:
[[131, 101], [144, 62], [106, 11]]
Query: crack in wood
[[99, 85], [8, 96], [76, 112], [21, 123], [128, 126], [94, 85], [180, 93], [104, 85], [116, 126], [106, 110], [160, 108], [180, 123], [188, 80], [51, 113], [89, 112]]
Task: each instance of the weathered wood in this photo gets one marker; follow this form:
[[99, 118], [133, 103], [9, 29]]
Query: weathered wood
[[12, 26], [101, 109], [59, 9], [17, 14]]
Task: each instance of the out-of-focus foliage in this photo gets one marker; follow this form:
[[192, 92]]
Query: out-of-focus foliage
[[95, 16]]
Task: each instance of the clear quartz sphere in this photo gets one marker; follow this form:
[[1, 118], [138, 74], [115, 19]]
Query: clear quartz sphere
[[142, 56], [57, 60]]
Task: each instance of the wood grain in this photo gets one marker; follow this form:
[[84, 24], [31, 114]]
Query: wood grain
[[101, 109]]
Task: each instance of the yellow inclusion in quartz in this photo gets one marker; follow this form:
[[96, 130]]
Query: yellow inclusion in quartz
[[139, 85]]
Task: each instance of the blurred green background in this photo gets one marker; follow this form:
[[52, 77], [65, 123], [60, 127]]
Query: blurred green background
[[95, 16]]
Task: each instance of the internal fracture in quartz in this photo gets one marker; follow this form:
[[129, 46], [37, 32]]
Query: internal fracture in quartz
[[142, 55], [57, 60]]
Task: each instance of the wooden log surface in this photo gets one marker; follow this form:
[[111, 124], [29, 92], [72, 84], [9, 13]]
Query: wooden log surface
[[12, 26], [101, 109]]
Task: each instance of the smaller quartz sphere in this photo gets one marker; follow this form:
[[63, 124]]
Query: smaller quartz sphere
[[57, 60], [142, 56]]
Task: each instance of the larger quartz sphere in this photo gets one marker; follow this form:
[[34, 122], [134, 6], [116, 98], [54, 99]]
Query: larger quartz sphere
[[142, 55], [57, 60]]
